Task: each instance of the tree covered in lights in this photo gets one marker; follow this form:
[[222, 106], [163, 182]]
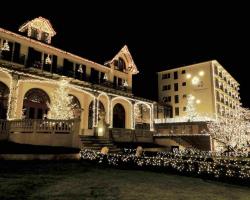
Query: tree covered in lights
[[61, 106], [139, 110], [190, 108], [231, 130]]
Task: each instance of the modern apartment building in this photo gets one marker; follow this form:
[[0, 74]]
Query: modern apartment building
[[214, 90]]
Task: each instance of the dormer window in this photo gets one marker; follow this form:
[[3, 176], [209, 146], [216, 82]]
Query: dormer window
[[39, 28]]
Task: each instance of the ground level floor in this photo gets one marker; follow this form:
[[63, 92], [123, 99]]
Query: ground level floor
[[28, 96]]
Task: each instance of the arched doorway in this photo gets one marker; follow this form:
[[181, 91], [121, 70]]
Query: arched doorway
[[4, 96], [77, 110], [118, 116], [90, 116], [35, 105]]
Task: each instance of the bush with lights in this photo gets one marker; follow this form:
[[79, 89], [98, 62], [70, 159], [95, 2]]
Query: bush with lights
[[208, 165]]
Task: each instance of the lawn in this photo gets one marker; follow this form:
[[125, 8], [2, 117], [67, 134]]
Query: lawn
[[78, 180]]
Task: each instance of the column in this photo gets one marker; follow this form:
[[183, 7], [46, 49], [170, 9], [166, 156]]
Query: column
[[12, 108], [94, 112], [152, 117], [132, 115], [110, 114]]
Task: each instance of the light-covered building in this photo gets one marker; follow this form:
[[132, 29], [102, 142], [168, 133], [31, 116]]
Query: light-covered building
[[213, 90], [31, 70]]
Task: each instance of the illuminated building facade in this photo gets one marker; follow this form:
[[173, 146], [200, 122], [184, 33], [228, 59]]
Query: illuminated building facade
[[31, 69]]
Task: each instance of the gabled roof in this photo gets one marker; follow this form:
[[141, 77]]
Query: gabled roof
[[39, 23], [125, 52]]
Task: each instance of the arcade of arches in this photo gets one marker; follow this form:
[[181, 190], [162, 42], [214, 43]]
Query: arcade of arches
[[34, 99]]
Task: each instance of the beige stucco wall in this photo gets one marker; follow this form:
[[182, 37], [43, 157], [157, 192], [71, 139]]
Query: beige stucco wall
[[5, 78], [65, 140]]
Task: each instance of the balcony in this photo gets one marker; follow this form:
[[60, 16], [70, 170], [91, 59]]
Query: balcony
[[38, 68]]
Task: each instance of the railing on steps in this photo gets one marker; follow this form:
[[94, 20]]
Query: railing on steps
[[129, 135]]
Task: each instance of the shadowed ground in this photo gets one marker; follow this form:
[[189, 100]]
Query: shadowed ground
[[77, 180]]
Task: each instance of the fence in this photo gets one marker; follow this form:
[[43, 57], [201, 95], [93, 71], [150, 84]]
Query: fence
[[128, 135]]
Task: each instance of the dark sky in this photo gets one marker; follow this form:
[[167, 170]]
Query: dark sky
[[159, 36]]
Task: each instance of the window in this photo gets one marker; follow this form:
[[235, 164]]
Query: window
[[184, 84], [184, 109], [184, 96], [176, 111], [183, 71], [176, 87], [176, 99], [166, 76], [175, 75], [166, 87], [166, 99]]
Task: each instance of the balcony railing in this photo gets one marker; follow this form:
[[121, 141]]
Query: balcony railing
[[40, 126], [129, 135], [38, 68]]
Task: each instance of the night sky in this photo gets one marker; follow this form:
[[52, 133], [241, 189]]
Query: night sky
[[158, 36]]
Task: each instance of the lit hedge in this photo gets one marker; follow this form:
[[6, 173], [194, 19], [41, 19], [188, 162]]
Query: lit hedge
[[201, 164]]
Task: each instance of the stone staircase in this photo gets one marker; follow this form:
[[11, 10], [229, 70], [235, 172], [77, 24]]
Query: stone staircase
[[96, 143]]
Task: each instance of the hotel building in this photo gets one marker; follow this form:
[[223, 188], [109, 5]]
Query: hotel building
[[214, 90]]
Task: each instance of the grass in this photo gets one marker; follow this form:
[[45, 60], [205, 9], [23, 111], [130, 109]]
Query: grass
[[62, 180]]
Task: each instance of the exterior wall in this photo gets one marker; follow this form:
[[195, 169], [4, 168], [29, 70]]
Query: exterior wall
[[226, 90], [202, 93], [65, 140], [5, 78]]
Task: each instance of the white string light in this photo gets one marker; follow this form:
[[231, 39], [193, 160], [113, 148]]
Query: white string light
[[5, 46], [48, 60]]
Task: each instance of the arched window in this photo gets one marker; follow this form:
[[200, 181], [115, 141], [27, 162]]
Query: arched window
[[4, 96], [76, 106], [118, 116], [35, 104], [121, 64]]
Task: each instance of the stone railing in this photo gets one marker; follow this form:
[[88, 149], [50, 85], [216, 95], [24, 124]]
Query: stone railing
[[182, 129], [129, 135], [44, 126]]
